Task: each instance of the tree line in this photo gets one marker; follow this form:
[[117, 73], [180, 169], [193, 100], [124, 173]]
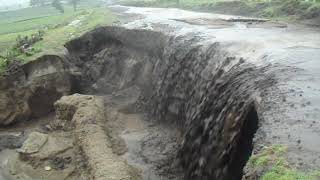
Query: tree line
[[54, 3]]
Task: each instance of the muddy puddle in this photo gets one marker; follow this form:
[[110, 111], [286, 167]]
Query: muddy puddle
[[151, 147], [144, 142]]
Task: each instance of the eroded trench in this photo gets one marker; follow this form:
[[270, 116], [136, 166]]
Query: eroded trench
[[172, 109]]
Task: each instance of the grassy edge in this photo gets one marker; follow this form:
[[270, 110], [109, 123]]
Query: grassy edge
[[274, 165]]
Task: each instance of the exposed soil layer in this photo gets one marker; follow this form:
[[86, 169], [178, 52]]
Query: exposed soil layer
[[31, 90], [171, 106]]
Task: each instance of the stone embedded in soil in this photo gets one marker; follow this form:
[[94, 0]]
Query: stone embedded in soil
[[11, 140], [47, 168], [56, 144], [34, 143]]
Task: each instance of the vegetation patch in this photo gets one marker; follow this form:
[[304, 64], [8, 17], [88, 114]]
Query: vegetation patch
[[273, 163], [313, 11], [284, 9]]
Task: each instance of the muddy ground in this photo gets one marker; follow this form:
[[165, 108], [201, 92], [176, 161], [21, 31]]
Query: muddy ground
[[173, 95]]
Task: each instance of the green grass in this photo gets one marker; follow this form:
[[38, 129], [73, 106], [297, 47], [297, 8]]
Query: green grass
[[283, 173], [37, 22], [54, 39], [272, 159], [8, 40], [270, 154], [26, 13], [31, 24], [2, 65], [57, 27]]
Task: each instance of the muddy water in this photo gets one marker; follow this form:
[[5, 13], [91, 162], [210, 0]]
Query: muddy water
[[289, 112], [151, 147], [134, 133], [4, 158]]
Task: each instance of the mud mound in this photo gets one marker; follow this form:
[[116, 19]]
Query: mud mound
[[88, 120]]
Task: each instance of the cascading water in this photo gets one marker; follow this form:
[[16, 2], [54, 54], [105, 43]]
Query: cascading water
[[205, 91]]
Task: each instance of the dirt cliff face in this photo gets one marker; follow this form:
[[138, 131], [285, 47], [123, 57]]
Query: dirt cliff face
[[31, 91], [113, 59]]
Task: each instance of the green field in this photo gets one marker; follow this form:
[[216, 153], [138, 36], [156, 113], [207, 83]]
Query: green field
[[58, 27]]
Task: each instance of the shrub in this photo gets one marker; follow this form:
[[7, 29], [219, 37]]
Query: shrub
[[313, 11], [22, 46], [26, 41], [269, 12], [9, 62]]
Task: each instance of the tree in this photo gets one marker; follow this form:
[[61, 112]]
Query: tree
[[57, 4], [74, 4], [34, 2], [39, 2]]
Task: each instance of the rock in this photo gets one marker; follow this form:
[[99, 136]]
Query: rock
[[57, 143], [34, 143], [11, 140], [47, 168]]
